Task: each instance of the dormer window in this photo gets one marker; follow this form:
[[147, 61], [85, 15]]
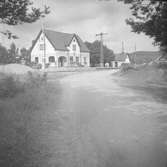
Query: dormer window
[[74, 47]]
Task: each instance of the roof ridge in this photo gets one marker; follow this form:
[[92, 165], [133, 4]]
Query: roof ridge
[[59, 32]]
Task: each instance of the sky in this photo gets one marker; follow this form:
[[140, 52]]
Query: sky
[[85, 18]]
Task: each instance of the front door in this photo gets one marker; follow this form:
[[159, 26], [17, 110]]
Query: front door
[[62, 61]]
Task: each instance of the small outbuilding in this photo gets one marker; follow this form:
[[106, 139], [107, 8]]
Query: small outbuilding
[[120, 59]]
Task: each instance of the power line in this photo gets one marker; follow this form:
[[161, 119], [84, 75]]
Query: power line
[[101, 48]]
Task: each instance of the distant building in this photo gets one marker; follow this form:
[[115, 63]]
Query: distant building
[[59, 49], [144, 57], [139, 57], [120, 59]]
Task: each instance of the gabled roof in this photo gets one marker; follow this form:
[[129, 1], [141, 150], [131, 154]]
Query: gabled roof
[[120, 57], [60, 40]]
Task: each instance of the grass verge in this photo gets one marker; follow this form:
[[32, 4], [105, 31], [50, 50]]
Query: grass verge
[[150, 78], [24, 116]]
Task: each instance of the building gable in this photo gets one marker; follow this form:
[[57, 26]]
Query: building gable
[[74, 45], [35, 41], [37, 49], [39, 40]]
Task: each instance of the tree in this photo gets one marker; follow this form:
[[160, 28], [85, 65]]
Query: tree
[[13, 12], [95, 53], [13, 53], [3, 55], [149, 17], [25, 54]]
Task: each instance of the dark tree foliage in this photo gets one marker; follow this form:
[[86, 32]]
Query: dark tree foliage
[[149, 17], [14, 12], [12, 53], [25, 54], [3, 55], [95, 53]]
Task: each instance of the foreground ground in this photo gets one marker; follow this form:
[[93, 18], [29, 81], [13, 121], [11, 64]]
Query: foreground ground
[[113, 125], [84, 120]]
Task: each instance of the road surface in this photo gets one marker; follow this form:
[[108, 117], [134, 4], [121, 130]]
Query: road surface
[[108, 125]]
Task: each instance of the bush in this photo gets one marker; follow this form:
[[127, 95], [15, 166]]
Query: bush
[[126, 67], [9, 87], [46, 65], [36, 80], [162, 65], [35, 65]]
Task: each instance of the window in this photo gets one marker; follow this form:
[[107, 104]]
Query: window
[[36, 60], [77, 60], [41, 38], [74, 47], [116, 64], [85, 62], [51, 59], [71, 60], [41, 47]]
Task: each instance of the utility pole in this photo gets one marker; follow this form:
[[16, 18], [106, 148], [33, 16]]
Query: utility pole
[[135, 54], [44, 44], [44, 49], [101, 48], [122, 47]]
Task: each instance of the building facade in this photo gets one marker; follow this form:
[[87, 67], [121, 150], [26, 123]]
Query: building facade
[[60, 50], [120, 59]]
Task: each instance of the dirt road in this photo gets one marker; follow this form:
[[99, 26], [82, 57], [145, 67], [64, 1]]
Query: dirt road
[[111, 125]]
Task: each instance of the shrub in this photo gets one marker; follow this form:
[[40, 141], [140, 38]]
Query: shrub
[[46, 65], [34, 65], [36, 80], [126, 67], [162, 65], [9, 87]]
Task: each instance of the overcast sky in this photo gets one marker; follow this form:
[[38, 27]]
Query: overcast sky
[[86, 18]]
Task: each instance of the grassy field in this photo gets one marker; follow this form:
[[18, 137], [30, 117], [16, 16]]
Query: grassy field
[[23, 118], [149, 78]]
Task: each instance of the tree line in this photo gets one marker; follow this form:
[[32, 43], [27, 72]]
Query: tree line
[[13, 55], [94, 49]]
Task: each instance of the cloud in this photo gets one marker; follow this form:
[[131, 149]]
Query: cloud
[[74, 11]]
